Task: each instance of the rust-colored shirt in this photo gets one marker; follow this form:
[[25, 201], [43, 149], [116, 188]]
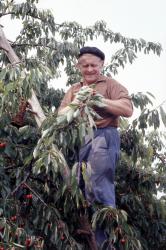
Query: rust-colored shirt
[[110, 89]]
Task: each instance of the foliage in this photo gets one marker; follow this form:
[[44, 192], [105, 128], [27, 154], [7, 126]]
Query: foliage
[[41, 205]]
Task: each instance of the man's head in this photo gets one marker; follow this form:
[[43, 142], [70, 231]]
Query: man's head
[[90, 63]]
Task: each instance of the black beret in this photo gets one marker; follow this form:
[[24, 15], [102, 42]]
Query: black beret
[[92, 50]]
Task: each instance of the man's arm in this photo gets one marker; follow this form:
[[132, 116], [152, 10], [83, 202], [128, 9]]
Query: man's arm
[[120, 107], [63, 110]]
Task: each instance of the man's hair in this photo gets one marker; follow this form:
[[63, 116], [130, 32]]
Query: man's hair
[[91, 50]]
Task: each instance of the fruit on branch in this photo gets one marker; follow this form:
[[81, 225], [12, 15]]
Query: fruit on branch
[[13, 218], [62, 237], [2, 144], [123, 241], [18, 119], [28, 196], [28, 242]]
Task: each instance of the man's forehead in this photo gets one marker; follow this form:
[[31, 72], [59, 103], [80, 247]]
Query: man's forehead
[[89, 58]]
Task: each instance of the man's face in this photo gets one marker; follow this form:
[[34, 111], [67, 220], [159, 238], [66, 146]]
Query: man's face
[[90, 67]]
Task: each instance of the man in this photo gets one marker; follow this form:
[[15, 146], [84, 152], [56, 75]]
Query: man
[[102, 152]]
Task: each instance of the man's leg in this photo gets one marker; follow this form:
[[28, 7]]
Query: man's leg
[[101, 155], [102, 159]]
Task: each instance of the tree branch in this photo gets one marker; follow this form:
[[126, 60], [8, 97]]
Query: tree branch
[[13, 44], [4, 44], [27, 14], [7, 13], [161, 157]]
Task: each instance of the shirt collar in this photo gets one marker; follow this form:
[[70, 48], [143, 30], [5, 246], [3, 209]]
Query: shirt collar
[[100, 79]]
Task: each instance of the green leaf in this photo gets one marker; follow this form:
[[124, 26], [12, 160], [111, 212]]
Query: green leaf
[[24, 129], [77, 113], [82, 131], [155, 118], [100, 104], [10, 150], [18, 245], [124, 214], [2, 222], [3, 74], [61, 119], [70, 115], [163, 115]]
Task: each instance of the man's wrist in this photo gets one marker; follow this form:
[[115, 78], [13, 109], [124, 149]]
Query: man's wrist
[[105, 101], [75, 101]]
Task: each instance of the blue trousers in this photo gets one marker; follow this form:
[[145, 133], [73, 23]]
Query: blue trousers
[[100, 155]]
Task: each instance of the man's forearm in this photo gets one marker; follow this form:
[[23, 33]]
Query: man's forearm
[[122, 107], [63, 110]]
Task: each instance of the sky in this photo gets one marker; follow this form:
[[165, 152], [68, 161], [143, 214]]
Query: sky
[[132, 18]]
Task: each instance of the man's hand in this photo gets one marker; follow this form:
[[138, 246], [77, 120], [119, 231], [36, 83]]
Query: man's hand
[[85, 96]]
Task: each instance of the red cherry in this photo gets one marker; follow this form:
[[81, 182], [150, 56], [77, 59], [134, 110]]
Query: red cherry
[[29, 196], [123, 241], [16, 235], [1, 248], [2, 145], [13, 218], [62, 237], [59, 226], [28, 242], [22, 225]]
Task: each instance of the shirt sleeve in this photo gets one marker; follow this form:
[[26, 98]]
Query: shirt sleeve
[[117, 91]]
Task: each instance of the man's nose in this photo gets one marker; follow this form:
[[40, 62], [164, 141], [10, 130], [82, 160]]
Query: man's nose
[[90, 68]]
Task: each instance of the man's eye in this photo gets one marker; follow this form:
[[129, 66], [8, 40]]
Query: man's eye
[[91, 65]]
